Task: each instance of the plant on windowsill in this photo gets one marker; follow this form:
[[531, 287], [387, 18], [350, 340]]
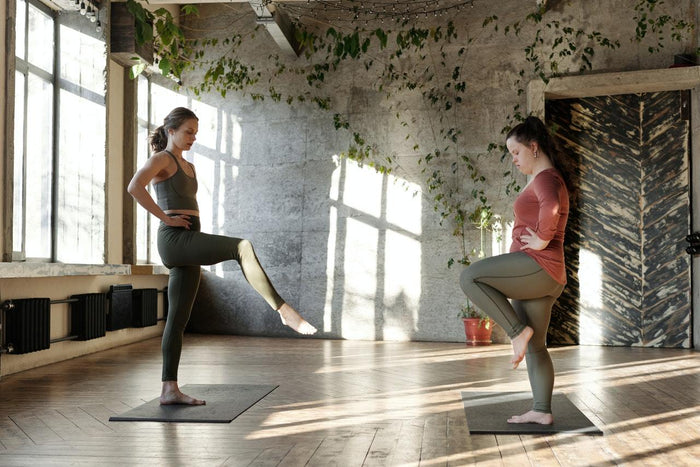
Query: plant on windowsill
[[477, 325]]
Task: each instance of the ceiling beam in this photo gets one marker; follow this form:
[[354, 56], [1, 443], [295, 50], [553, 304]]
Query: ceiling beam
[[278, 25]]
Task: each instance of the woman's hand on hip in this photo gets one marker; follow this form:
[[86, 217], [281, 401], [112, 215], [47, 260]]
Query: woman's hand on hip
[[531, 241], [181, 220]]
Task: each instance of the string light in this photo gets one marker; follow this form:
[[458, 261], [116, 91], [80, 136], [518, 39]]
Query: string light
[[89, 9], [368, 10]]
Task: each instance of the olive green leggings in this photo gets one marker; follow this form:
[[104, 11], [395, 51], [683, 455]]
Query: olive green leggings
[[489, 284], [183, 252]]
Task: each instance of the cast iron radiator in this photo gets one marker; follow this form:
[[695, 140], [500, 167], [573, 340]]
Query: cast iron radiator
[[145, 303], [120, 307], [88, 316], [27, 324]]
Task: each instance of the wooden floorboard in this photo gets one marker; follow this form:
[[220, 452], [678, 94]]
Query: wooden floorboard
[[348, 403]]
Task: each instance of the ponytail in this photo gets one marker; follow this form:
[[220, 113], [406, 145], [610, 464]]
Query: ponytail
[[158, 139]]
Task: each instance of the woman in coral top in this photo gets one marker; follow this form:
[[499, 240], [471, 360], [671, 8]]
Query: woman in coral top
[[533, 274]]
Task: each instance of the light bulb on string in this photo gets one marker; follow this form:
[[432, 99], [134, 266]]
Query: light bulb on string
[[83, 9], [98, 27]]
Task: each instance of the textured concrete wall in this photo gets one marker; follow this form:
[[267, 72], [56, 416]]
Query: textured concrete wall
[[356, 252]]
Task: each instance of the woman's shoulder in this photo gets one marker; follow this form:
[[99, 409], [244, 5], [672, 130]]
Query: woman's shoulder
[[550, 178], [550, 174], [161, 158]]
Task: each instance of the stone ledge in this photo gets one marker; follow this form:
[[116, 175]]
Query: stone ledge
[[29, 270]]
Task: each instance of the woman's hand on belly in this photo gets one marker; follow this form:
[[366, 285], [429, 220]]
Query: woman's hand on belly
[[531, 241]]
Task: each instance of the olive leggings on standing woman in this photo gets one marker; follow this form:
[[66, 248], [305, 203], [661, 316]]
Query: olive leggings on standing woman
[[489, 283], [183, 252]]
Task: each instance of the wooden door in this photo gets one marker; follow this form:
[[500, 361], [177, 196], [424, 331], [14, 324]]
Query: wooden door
[[629, 274]]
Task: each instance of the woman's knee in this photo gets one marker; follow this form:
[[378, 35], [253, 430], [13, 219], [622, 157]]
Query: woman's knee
[[245, 250], [244, 247]]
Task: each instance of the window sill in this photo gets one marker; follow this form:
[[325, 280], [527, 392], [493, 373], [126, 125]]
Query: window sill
[[22, 270]]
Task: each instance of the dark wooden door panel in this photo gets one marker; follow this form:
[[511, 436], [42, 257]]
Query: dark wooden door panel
[[629, 276]]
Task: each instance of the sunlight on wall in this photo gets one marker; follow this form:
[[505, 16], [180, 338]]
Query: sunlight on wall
[[378, 220], [363, 189], [591, 288], [402, 285], [403, 207], [360, 278]]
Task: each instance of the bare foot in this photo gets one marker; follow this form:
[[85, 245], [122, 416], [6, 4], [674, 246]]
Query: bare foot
[[533, 417], [520, 346], [291, 318], [171, 395]]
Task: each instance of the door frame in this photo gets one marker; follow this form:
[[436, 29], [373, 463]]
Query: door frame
[[633, 82]]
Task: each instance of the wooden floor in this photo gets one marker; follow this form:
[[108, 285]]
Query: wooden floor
[[349, 404]]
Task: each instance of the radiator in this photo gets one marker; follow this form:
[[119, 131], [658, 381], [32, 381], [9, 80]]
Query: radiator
[[145, 311], [120, 307], [27, 325], [88, 316]]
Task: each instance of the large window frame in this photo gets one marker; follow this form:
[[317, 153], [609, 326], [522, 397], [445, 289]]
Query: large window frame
[[26, 71], [56, 187]]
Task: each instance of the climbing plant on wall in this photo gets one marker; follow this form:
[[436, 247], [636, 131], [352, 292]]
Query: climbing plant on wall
[[437, 57]]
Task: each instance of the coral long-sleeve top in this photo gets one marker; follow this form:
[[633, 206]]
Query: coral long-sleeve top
[[543, 206]]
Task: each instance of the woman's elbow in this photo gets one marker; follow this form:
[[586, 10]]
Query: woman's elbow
[[132, 188]]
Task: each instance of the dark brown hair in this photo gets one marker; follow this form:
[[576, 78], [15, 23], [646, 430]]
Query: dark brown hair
[[159, 138], [534, 130]]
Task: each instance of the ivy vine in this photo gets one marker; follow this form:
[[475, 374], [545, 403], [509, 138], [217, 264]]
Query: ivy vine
[[550, 48]]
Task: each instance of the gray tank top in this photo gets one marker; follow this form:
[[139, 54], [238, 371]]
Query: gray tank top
[[178, 191]]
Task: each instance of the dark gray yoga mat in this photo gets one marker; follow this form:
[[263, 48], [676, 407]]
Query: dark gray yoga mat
[[224, 403], [488, 412]]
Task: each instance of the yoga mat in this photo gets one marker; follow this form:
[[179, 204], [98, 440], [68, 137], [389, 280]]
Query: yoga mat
[[488, 412], [224, 403]]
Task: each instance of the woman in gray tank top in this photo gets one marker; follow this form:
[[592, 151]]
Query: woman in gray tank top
[[183, 248]]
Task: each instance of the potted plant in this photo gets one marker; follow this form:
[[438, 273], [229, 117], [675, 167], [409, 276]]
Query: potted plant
[[477, 325]]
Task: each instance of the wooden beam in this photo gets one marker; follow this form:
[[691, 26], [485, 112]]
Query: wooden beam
[[129, 163], [626, 82], [8, 163]]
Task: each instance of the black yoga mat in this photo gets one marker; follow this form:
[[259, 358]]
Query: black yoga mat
[[488, 412], [224, 403]]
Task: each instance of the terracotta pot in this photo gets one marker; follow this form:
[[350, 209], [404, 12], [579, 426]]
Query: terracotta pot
[[476, 331]]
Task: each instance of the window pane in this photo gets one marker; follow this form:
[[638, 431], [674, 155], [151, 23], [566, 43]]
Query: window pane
[[20, 28], [163, 100], [88, 52], [141, 214], [41, 45], [81, 194], [39, 168], [81, 145], [142, 220], [18, 177]]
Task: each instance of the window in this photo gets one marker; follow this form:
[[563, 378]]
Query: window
[[33, 154], [60, 137]]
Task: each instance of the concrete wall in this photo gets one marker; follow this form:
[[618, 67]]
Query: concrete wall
[[355, 251]]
